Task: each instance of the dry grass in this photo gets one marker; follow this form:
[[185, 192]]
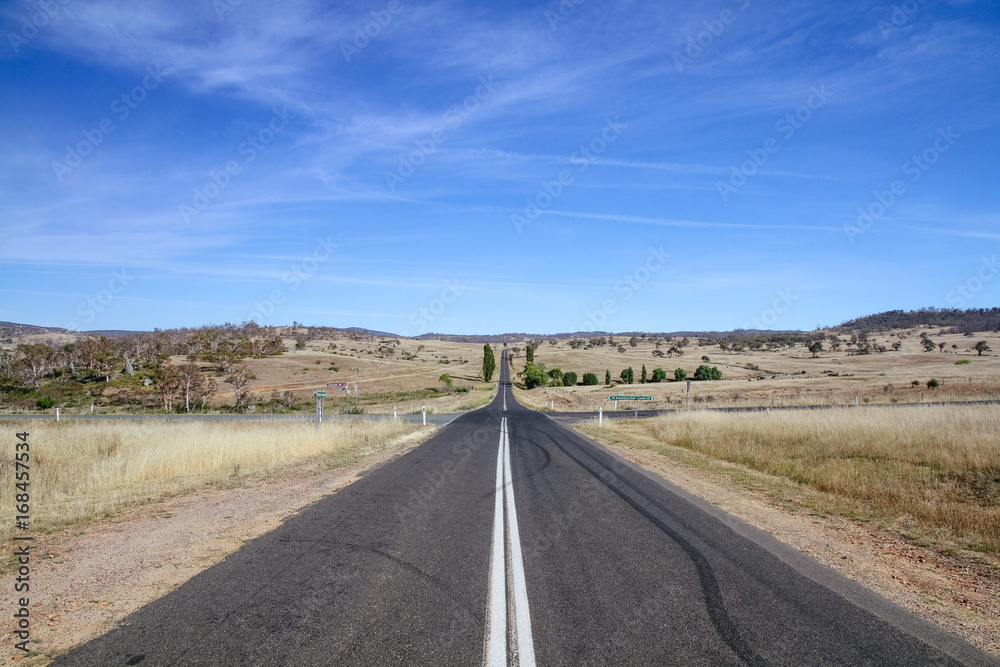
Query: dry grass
[[84, 470], [934, 472]]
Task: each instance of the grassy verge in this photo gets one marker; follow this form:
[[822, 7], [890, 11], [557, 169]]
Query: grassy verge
[[81, 471], [932, 473]]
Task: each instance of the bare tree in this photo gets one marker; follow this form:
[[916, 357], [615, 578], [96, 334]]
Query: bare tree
[[243, 385], [36, 361]]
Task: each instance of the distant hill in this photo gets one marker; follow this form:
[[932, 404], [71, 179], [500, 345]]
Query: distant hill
[[965, 321]]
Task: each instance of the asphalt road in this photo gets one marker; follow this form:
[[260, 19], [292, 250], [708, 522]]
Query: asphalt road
[[508, 539]]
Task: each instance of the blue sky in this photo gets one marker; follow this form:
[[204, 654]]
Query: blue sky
[[464, 167]]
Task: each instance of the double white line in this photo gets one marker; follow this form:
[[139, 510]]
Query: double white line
[[508, 608]]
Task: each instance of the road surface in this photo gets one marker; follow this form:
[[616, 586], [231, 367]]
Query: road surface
[[508, 539]]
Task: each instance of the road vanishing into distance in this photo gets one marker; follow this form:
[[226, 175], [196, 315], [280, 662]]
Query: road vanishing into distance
[[507, 539]]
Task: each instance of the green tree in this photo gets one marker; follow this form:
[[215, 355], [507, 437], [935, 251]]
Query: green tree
[[628, 375], [643, 379], [933, 384], [707, 373], [529, 353], [534, 375], [816, 347], [569, 379], [448, 382], [659, 375], [981, 347], [489, 363], [607, 378], [680, 374], [557, 377], [590, 379]]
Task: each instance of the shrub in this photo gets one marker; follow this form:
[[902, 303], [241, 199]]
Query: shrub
[[933, 384], [569, 379], [44, 403], [659, 375], [962, 361], [590, 379], [708, 373], [534, 375], [706, 359], [680, 375]]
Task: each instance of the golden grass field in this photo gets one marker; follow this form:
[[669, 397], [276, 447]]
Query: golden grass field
[[380, 381], [82, 470], [931, 472], [874, 378]]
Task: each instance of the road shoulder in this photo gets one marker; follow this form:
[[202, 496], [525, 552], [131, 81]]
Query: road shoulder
[[88, 578], [958, 594]]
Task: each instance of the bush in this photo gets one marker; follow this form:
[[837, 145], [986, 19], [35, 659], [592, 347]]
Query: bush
[[933, 384], [590, 379], [659, 375], [44, 403], [708, 373], [569, 379], [680, 375], [962, 361], [534, 375]]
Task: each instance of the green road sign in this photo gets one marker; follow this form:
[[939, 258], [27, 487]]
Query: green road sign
[[320, 394], [630, 398]]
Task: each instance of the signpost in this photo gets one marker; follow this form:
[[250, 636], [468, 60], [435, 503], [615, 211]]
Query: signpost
[[631, 398], [320, 395]]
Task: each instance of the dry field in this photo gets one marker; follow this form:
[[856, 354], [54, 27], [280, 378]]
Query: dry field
[[787, 377], [81, 471], [933, 473], [410, 376]]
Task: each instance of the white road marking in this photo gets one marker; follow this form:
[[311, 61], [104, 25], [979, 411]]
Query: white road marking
[[523, 647], [495, 652]]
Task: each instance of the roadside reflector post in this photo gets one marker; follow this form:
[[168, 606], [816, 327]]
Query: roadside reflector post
[[57, 414], [355, 396], [637, 410], [91, 408], [394, 412], [423, 411], [600, 417], [689, 395], [856, 401]]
